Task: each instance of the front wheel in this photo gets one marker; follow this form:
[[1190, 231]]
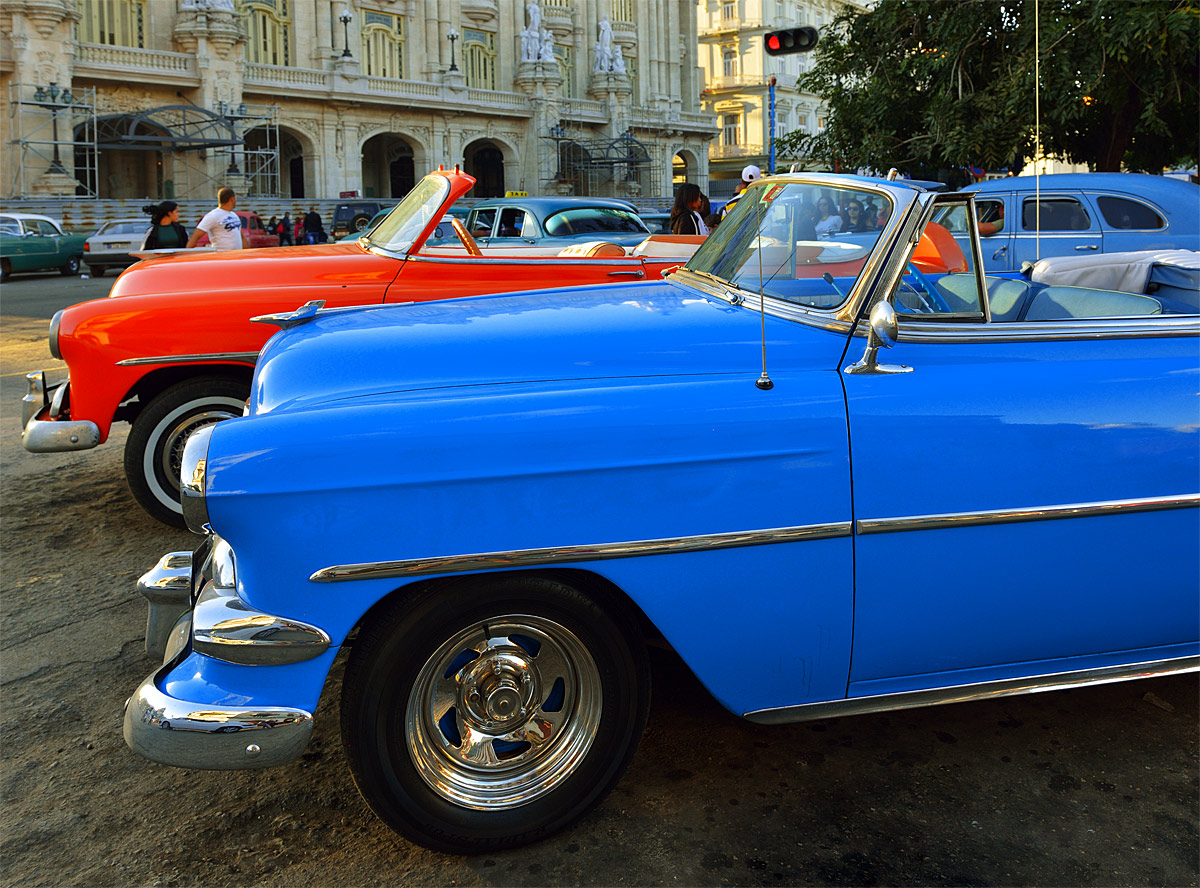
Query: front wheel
[[98, 270], [154, 450], [490, 713], [71, 267]]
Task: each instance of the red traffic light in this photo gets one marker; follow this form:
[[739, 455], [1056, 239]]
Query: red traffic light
[[790, 40]]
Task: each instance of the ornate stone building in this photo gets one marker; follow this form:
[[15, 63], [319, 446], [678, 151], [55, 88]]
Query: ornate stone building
[[317, 98], [737, 72]]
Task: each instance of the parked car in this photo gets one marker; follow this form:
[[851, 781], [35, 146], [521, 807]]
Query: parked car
[[548, 224], [29, 242], [173, 345], [375, 220], [825, 472], [256, 231], [355, 217], [112, 243], [1083, 213], [657, 223]]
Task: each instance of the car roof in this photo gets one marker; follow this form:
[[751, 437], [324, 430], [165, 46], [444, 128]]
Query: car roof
[[1129, 183], [30, 216], [543, 206]]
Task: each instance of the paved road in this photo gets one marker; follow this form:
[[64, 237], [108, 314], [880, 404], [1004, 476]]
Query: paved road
[[1088, 787]]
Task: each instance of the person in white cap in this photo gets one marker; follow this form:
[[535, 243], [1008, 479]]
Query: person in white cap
[[750, 173]]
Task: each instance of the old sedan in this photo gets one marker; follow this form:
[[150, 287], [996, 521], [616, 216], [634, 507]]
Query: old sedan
[[173, 345], [113, 244], [548, 224], [29, 242], [826, 472]]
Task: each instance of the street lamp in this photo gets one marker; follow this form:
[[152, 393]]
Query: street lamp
[[233, 115], [558, 134], [452, 35], [346, 17], [49, 98]]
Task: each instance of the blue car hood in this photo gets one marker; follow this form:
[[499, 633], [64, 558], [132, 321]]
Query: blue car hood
[[655, 329]]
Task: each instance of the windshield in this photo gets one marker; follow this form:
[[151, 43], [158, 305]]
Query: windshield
[[402, 225], [784, 238]]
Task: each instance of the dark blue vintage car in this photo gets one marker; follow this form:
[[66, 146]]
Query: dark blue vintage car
[[837, 476]]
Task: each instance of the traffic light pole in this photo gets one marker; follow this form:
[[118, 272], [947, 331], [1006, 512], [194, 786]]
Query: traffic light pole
[[771, 107]]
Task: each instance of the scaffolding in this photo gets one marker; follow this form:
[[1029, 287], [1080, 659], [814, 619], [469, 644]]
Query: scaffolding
[[45, 124], [48, 124], [600, 167]]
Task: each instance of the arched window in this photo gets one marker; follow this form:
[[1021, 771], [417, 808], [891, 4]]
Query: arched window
[[268, 31], [383, 44], [479, 58], [115, 22]]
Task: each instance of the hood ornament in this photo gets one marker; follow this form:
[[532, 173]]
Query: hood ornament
[[284, 321]]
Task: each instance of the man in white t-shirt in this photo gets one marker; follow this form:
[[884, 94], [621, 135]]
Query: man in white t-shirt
[[222, 225]]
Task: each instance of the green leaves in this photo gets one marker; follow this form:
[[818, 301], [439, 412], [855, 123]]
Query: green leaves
[[927, 85]]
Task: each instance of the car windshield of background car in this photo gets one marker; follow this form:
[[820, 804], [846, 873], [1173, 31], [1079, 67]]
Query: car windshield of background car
[[785, 238], [403, 225], [594, 220]]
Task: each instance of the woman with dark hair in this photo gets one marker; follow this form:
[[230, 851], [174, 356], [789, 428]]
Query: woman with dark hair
[[856, 218], [829, 222], [165, 231], [685, 215]]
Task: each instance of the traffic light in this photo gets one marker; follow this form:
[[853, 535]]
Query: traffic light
[[790, 40]]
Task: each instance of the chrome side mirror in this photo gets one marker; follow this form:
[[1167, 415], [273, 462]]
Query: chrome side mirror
[[884, 332]]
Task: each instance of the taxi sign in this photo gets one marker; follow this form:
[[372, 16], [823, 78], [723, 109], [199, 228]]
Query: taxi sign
[[516, 194]]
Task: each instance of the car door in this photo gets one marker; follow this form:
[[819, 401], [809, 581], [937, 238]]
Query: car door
[[1024, 493], [1053, 224], [41, 243]]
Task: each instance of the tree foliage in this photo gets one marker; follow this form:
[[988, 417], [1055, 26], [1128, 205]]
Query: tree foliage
[[932, 85]]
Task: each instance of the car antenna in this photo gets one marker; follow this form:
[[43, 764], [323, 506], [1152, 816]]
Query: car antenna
[[763, 381]]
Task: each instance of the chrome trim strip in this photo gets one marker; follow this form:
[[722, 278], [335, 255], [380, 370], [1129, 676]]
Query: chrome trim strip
[[540, 260], [1043, 331], [970, 692], [200, 735], [866, 526], [240, 357], [224, 628], [419, 567]]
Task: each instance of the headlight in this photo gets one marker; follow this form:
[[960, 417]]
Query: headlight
[[55, 323], [193, 480]]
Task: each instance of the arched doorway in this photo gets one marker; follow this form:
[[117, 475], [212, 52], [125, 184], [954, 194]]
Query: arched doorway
[[681, 170], [388, 166], [485, 161]]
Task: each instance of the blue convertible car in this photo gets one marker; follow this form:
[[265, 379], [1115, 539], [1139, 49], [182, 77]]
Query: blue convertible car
[[836, 476]]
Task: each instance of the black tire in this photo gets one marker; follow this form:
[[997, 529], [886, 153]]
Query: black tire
[[5, 269], [97, 270], [358, 223], [155, 445], [551, 646], [71, 267]]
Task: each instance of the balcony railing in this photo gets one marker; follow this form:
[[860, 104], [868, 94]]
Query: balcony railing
[[492, 98], [412, 89], [726, 26], [736, 81], [720, 152], [130, 59], [583, 109], [297, 78]]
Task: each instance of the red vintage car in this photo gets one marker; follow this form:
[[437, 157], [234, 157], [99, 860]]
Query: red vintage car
[[173, 346]]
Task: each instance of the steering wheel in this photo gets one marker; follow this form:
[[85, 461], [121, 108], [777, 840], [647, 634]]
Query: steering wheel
[[463, 235], [930, 290]]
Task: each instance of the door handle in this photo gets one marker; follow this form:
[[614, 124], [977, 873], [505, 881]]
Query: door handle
[[1088, 247], [639, 273], [1000, 252]]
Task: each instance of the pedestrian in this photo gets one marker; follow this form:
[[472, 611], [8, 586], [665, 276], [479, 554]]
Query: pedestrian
[[273, 225], [314, 231], [285, 231], [165, 231], [750, 173], [685, 214], [222, 225]]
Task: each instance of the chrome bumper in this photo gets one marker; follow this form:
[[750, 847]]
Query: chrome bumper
[[198, 735], [168, 588], [51, 435]]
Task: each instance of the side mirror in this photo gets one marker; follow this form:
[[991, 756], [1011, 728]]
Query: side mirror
[[885, 329], [884, 332]]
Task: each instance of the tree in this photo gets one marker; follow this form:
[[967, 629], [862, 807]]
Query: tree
[[931, 85]]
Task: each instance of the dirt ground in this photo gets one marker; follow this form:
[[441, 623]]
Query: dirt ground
[[1088, 787]]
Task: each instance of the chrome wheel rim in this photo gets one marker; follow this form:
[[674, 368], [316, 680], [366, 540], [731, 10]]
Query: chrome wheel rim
[[503, 712], [176, 438]]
